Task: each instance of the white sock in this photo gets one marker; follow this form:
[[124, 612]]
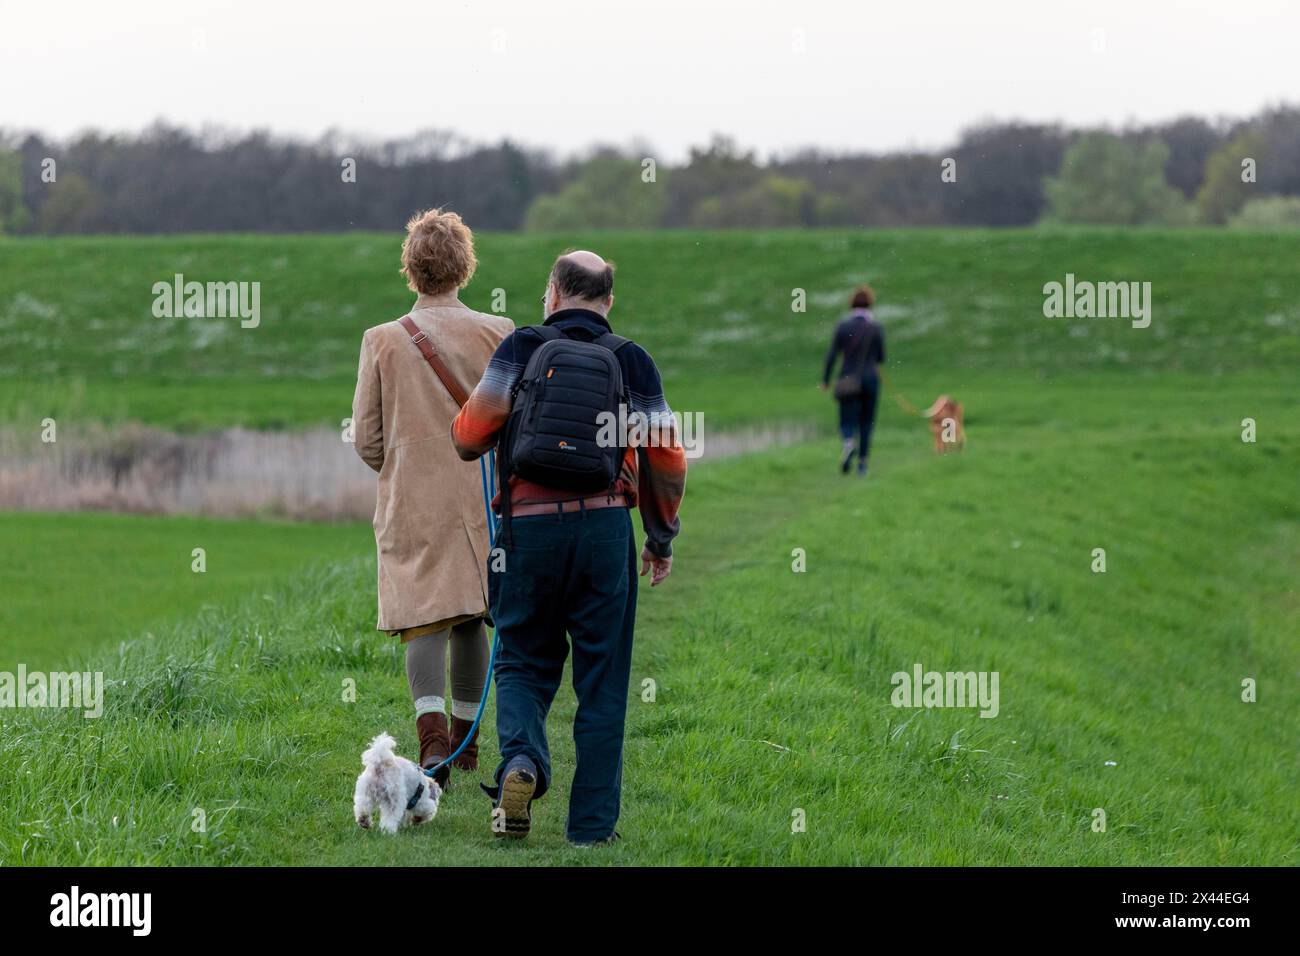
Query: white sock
[[463, 710], [430, 705]]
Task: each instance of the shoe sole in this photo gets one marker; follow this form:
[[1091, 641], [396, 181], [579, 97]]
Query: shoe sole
[[517, 791]]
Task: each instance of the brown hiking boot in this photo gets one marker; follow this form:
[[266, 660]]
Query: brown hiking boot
[[468, 759], [434, 745]]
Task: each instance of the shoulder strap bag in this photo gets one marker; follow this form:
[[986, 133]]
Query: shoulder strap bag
[[435, 361]]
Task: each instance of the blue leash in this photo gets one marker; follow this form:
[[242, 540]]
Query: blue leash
[[489, 492]]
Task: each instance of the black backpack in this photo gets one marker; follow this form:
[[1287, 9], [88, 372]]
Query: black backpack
[[551, 435]]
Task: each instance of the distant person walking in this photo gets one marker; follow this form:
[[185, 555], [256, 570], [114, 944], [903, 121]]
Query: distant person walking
[[430, 530], [861, 340], [568, 545]]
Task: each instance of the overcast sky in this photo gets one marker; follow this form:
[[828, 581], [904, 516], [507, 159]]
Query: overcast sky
[[840, 74]]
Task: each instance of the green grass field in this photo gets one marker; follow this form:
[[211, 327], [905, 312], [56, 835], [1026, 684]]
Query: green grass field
[[963, 307], [773, 687], [1119, 691], [75, 582]]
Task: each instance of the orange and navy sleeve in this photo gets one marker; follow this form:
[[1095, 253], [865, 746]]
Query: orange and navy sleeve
[[661, 461], [475, 429]]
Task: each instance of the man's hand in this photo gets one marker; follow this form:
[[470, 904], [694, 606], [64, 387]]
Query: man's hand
[[661, 566], [822, 386]]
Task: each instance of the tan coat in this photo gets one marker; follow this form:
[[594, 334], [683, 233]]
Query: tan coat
[[430, 529]]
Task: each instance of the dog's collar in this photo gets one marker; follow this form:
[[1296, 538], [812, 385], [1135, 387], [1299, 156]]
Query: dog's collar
[[415, 797]]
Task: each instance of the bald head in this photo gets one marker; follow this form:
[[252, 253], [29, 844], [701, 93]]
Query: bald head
[[585, 260], [580, 280]]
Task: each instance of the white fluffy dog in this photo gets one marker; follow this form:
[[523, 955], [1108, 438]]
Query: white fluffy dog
[[395, 787]]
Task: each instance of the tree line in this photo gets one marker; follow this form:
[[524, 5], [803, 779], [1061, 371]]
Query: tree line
[[166, 179]]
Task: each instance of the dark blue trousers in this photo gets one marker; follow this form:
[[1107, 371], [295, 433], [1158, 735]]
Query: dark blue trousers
[[858, 415], [573, 573]]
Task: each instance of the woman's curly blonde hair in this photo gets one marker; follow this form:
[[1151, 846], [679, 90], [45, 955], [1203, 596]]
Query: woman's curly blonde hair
[[438, 254]]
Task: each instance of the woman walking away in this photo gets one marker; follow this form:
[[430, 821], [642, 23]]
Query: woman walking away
[[430, 529], [860, 338]]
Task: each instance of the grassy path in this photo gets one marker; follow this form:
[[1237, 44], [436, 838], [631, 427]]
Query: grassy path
[[1118, 691]]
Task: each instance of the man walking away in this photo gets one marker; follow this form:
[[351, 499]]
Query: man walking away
[[570, 559]]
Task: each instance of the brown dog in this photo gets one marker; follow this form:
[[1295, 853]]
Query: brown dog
[[946, 424]]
